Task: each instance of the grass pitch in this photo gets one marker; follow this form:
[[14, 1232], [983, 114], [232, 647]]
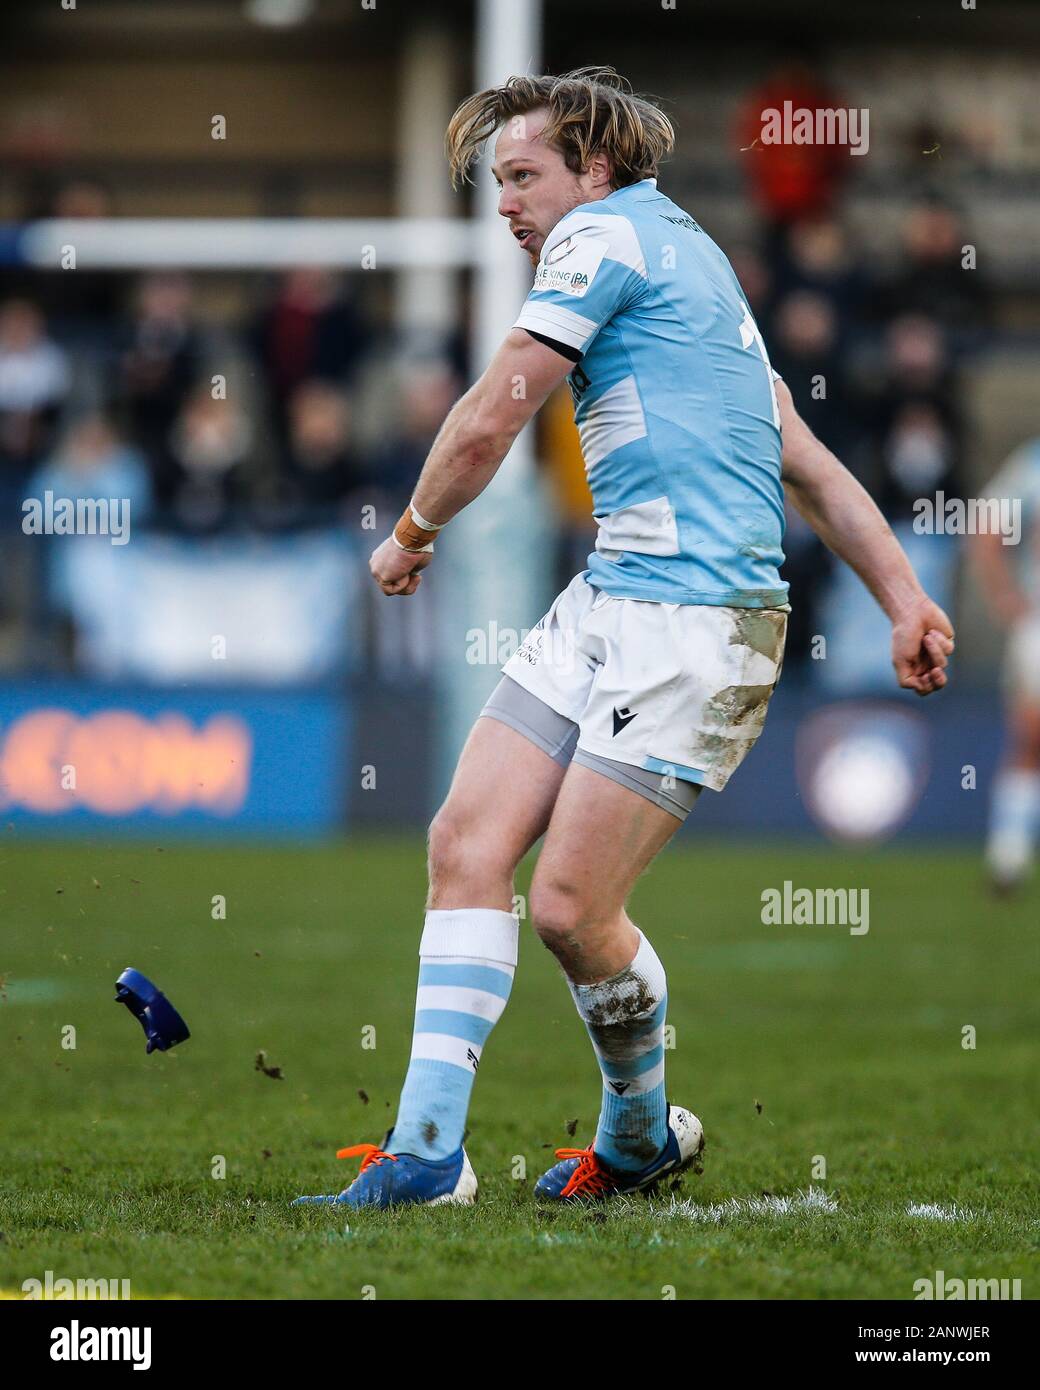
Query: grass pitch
[[794, 1044]]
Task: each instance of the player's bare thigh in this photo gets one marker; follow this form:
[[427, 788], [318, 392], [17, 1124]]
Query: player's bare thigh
[[1024, 734], [500, 802], [600, 839]]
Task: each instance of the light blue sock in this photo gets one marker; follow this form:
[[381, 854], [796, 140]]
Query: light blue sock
[[625, 1018], [467, 958], [1014, 823]]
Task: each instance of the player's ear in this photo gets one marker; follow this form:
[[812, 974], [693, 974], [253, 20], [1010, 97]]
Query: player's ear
[[599, 170]]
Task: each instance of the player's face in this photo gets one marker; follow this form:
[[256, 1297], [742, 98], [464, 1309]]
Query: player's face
[[536, 187]]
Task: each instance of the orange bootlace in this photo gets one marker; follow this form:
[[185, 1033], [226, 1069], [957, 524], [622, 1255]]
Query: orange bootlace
[[368, 1153], [588, 1179]]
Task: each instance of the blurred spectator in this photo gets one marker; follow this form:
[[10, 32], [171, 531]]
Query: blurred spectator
[[403, 634], [816, 318], [323, 468], [816, 255], [428, 391], [34, 381], [805, 351], [210, 444], [755, 275], [91, 463], [309, 331], [919, 457], [791, 181], [916, 439], [916, 424], [158, 369], [931, 278], [83, 308], [81, 198]]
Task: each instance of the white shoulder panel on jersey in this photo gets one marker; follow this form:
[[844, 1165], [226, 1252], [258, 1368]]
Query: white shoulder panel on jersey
[[1019, 475], [554, 321], [614, 231]]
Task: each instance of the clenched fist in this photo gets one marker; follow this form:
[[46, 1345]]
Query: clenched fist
[[922, 640], [396, 571]]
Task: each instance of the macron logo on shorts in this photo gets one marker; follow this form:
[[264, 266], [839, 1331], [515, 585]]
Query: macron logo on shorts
[[621, 718]]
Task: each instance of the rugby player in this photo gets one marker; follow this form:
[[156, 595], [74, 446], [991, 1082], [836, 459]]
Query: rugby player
[[649, 677], [1011, 581]]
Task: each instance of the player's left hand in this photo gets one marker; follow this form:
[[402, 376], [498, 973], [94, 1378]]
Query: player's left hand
[[396, 571], [922, 640]]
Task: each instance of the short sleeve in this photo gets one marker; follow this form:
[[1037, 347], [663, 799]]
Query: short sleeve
[[591, 269], [1018, 476]]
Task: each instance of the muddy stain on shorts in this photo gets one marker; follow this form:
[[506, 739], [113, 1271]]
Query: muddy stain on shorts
[[761, 629], [739, 710], [736, 706]]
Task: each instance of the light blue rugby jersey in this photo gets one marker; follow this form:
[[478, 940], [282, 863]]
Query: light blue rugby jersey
[[674, 403], [1018, 481]]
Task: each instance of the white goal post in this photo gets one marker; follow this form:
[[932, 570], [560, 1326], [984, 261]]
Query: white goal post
[[494, 563]]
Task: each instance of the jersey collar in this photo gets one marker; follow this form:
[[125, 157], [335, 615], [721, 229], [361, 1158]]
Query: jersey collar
[[631, 187]]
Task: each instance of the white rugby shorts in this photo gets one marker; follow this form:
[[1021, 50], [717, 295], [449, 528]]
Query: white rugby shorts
[[1022, 660], [673, 688]]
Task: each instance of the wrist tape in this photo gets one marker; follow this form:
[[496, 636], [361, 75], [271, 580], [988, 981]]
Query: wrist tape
[[413, 532]]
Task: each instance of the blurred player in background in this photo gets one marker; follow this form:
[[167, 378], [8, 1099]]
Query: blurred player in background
[[1010, 576], [649, 677]]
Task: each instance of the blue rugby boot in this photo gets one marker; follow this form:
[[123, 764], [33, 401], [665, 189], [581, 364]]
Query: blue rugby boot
[[389, 1179], [581, 1175]]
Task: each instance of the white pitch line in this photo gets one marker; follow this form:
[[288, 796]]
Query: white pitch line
[[815, 1200], [935, 1211]]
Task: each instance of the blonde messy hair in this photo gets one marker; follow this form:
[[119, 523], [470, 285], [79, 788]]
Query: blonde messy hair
[[591, 110]]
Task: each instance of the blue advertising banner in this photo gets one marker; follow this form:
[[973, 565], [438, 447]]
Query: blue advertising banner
[[80, 758], [863, 770]]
